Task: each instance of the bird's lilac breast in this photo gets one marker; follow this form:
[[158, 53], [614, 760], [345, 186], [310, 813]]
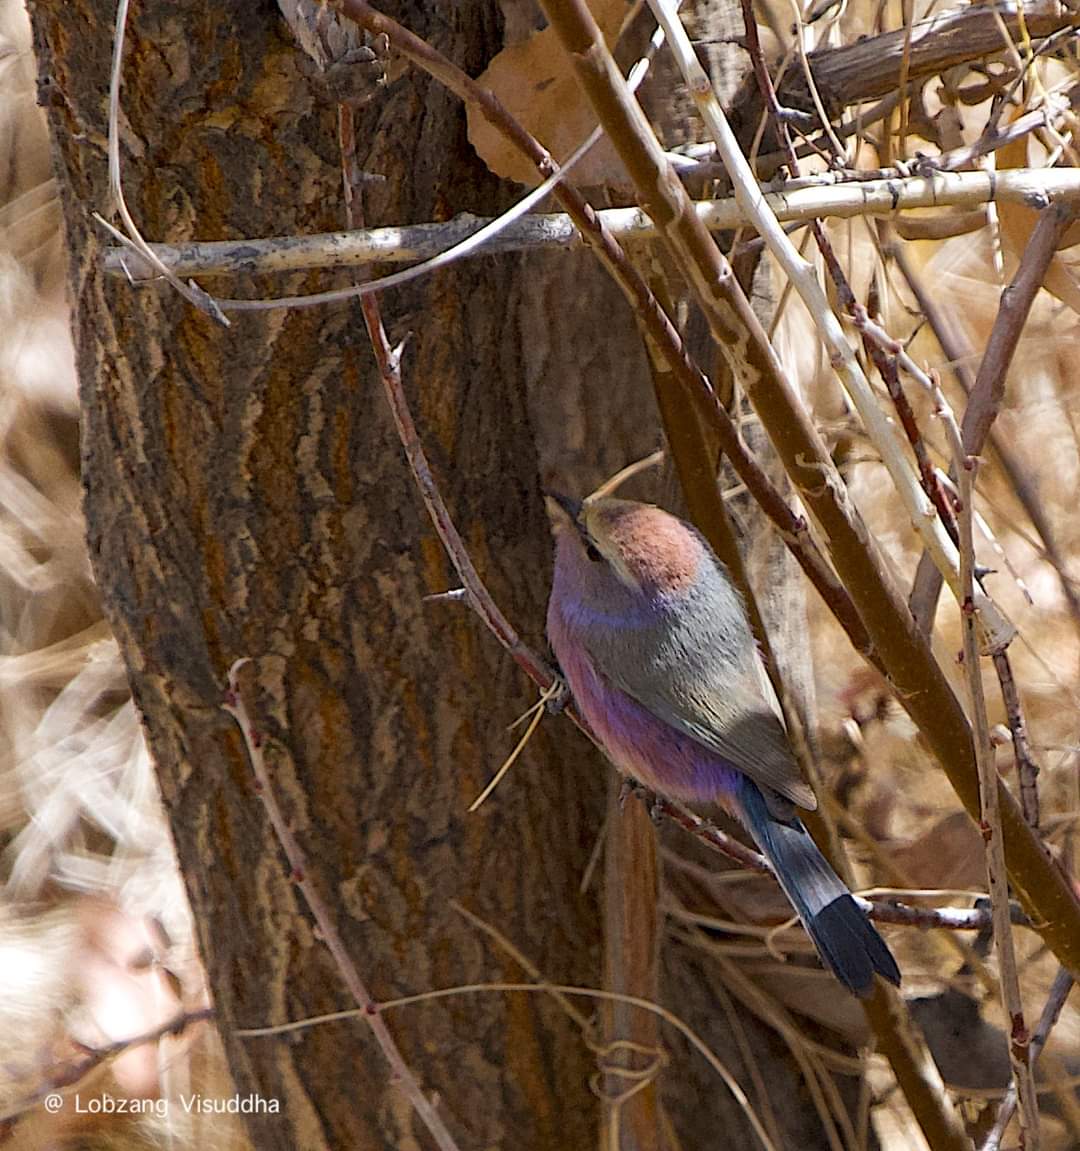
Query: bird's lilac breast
[[639, 743]]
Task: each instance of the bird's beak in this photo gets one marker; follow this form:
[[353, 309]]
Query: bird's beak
[[564, 513], [572, 508]]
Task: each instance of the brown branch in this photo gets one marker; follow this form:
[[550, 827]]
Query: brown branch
[[73, 1072], [985, 398], [1027, 769], [990, 821], [696, 459], [988, 393], [1055, 1001], [889, 371], [403, 1077]]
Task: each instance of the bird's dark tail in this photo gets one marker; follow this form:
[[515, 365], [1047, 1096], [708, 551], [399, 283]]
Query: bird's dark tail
[[845, 939]]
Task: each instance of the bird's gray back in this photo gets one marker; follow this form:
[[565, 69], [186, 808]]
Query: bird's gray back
[[694, 663]]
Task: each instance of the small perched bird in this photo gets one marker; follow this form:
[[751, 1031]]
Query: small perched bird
[[654, 641]]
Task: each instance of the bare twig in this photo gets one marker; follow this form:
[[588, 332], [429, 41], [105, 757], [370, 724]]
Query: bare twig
[[984, 403], [402, 1075], [73, 1072], [886, 354], [927, 582], [992, 138], [941, 918], [990, 824], [987, 395], [1027, 769], [389, 361], [1055, 1001]]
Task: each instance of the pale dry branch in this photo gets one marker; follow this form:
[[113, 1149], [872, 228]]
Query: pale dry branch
[[794, 202]]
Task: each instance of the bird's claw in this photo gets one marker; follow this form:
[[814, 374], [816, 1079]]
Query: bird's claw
[[558, 695]]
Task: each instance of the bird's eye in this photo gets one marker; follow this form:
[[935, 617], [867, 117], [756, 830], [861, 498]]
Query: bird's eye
[[593, 554]]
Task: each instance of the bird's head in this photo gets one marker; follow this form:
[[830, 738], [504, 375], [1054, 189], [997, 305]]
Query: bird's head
[[611, 551]]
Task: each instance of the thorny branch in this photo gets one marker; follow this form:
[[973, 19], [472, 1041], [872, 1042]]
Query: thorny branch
[[990, 823], [926, 587], [73, 1072], [1055, 1001], [984, 403], [403, 1077]]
